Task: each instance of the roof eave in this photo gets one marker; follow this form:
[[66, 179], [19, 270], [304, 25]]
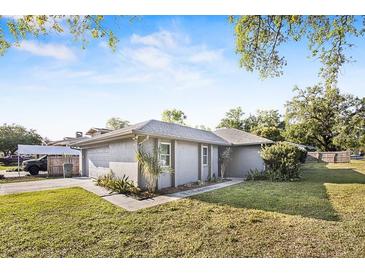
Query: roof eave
[[253, 143], [179, 138], [103, 139]]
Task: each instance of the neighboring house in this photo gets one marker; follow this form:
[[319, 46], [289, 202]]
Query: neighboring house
[[96, 131], [67, 141], [192, 153], [70, 141]]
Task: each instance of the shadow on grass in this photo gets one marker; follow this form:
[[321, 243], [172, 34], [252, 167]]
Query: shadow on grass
[[307, 198]]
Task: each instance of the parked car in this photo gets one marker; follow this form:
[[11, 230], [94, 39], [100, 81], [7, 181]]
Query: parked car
[[13, 159], [36, 165]]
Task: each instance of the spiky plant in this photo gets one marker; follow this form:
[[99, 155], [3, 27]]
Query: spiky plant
[[151, 167]]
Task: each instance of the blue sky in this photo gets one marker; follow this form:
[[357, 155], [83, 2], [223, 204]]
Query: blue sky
[[189, 63]]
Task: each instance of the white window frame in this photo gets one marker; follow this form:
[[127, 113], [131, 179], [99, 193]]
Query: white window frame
[[206, 155], [160, 154]]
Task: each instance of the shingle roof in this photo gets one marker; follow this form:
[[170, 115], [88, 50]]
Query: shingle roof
[[160, 129], [240, 137], [96, 129]]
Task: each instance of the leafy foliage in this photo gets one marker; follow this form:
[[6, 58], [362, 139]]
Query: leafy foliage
[[12, 135], [116, 123], [266, 123], [118, 185], [325, 118], [203, 127], [282, 161], [233, 119], [174, 116], [225, 158], [80, 27], [256, 175], [259, 37]]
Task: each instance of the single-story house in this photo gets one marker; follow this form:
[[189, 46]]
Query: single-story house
[[192, 153]]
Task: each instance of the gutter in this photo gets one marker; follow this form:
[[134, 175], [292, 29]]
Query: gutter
[[180, 138]]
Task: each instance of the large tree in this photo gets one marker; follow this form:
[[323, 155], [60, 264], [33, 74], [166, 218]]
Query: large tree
[[12, 135], [116, 123], [233, 119], [258, 41], [325, 118], [265, 123], [174, 116]]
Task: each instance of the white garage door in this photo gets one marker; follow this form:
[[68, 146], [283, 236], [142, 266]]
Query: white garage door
[[97, 161]]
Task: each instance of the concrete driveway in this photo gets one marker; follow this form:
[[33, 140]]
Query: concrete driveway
[[121, 200], [31, 186], [16, 174]]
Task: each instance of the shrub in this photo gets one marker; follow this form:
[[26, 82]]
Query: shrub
[[118, 185], [282, 161], [255, 175]]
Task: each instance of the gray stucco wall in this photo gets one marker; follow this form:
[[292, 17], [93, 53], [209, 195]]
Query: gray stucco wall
[[186, 162], [244, 158], [119, 157], [215, 161]]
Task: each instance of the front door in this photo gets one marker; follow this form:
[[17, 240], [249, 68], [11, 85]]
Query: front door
[[205, 162]]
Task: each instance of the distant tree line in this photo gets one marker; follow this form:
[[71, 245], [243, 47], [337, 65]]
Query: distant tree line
[[12, 135], [321, 117]]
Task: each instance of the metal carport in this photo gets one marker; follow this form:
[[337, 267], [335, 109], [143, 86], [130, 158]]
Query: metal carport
[[44, 150]]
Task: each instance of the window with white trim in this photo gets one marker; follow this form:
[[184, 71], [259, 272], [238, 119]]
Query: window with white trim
[[205, 155], [165, 154]]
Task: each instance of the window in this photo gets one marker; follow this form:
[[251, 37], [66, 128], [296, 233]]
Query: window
[[205, 156], [165, 153]]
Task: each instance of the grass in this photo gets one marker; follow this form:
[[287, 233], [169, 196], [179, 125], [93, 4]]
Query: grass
[[7, 167], [321, 216], [20, 179]]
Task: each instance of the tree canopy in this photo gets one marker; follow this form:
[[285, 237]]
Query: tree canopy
[[265, 123], [174, 116], [259, 37], [116, 123], [233, 119], [325, 118], [12, 135], [82, 28], [203, 127]]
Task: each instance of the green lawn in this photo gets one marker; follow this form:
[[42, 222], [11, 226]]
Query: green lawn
[[21, 179], [6, 167], [321, 216]]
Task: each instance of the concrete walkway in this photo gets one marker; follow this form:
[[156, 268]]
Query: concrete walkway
[[120, 200]]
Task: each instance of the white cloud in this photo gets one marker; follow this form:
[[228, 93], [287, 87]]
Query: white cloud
[[185, 66], [57, 51], [150, 57], [171, 57], [205, 56], [162, 39]]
